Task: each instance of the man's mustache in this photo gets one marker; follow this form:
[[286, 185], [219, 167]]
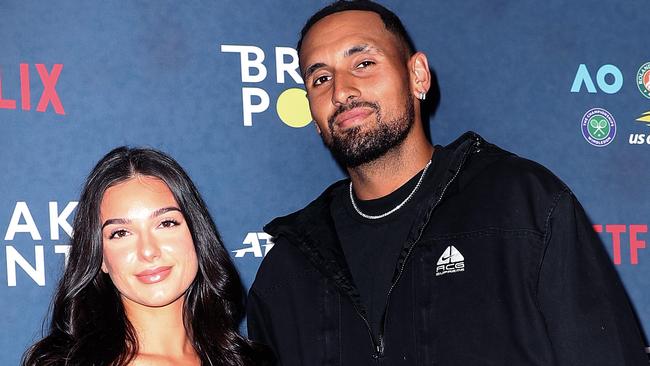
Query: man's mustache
[[346, 107]]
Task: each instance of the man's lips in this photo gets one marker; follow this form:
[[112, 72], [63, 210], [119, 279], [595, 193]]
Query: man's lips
[[154, 275], [352, 117]]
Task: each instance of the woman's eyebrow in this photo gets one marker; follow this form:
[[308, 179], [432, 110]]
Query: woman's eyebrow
[[156, 213]]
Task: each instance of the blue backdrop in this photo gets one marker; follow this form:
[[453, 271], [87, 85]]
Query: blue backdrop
[[214, 84]]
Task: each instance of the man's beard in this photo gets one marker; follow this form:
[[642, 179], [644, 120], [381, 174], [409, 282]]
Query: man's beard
[[355, 147]]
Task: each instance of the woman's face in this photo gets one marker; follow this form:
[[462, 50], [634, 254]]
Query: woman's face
[[148, 249]]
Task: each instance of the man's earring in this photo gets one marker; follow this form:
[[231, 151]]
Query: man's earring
[[422, 96]]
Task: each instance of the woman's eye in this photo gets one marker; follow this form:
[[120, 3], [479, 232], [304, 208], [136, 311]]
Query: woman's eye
[[321, 79], [117, 234], [169, 223]]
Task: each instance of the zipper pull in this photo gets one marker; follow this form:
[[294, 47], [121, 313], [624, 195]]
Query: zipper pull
[[379, 349]]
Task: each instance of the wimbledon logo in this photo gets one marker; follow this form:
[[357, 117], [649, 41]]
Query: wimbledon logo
[[643, 79], [598, 127]]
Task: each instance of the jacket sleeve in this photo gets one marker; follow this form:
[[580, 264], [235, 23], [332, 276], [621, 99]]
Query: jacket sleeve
[[588, 315], [259, 323]]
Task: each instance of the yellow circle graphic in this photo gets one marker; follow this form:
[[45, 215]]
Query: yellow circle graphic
[[293, 108]]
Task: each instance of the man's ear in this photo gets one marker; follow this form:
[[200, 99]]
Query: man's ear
[[419, 74]]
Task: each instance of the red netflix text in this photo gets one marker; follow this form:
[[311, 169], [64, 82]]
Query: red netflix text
[[624, 237], [49, 96]]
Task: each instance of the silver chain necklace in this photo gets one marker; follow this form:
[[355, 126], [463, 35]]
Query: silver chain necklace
[[375, 217]]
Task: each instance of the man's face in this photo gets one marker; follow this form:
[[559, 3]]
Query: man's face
[[357, 84]]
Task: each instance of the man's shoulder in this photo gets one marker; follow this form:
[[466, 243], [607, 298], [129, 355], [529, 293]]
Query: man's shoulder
[[501, 169], [282, 263], [286, 261], [314, 211]]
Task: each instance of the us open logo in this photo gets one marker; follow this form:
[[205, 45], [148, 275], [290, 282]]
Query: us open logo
[[598, 127], [451, 261]]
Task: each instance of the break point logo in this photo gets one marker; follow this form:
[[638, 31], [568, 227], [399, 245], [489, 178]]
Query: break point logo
[[643, 79], [291, 105], [598, 127]]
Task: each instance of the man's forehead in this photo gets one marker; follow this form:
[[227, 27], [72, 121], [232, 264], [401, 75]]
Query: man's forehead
[[364, 25], [353, 16], [345, 21]]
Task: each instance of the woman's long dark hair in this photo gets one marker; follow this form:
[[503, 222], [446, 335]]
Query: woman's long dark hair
[[89, 325]]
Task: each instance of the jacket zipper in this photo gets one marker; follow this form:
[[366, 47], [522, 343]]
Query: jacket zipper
[[372, 337], [379, 346]]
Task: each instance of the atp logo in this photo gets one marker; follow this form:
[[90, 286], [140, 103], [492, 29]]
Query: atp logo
[[254, 246], [451, 261], [598, 127]]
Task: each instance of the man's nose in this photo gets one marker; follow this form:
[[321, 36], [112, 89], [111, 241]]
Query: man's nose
[[345, 90]]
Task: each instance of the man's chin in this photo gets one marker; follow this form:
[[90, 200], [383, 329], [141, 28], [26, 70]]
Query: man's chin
[[355, 156]]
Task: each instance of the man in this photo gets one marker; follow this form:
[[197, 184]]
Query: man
[[457, 255]]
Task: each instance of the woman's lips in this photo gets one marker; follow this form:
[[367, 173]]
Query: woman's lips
[[352, 117], [154, 275]]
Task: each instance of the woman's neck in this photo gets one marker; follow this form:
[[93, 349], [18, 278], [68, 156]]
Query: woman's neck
[[161, 334]]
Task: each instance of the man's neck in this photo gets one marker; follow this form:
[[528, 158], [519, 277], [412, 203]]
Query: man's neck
[[386, 174]]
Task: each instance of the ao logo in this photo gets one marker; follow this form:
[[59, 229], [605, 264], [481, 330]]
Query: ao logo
[[583, 77], [291, 105]]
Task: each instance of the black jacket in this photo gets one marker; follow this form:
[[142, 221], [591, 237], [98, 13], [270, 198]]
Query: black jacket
[[534, 286]]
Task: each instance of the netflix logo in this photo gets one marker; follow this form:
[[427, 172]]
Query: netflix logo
[[49, 96], [626, 241]]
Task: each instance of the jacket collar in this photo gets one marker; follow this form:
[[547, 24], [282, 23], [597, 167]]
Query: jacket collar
[[307, 221], [312, 229]]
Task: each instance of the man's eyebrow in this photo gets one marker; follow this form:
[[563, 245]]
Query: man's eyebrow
[[356, 49], [347, 53], [123, 221], [312, 68]]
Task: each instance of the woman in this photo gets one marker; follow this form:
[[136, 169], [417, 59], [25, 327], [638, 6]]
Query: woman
[[148, 280]]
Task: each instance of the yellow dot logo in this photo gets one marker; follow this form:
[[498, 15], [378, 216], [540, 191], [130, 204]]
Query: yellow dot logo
[[293, 108]]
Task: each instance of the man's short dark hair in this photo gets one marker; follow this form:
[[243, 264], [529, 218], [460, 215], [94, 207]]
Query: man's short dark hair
[[391, 21]]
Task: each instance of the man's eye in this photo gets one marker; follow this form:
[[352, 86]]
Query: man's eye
[[365, 64], [169, 223], [117, 234], [321, 79]]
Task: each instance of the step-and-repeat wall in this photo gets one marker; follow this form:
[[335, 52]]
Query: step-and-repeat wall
[[215, 84]]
